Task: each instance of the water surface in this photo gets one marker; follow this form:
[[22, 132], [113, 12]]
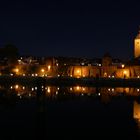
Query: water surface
[[47, 112]]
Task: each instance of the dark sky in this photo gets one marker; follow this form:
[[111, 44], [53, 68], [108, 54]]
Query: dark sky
[[70, 27]]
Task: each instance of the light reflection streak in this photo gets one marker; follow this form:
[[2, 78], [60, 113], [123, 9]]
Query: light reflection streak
[[136, 113], [53, 91]]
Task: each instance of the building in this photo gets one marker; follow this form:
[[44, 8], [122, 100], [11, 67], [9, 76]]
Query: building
[[137, 46], [106, 67]]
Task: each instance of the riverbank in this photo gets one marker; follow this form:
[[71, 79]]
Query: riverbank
[[69, 81]]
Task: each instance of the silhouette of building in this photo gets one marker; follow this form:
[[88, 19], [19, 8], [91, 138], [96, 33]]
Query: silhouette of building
[[137, 46]]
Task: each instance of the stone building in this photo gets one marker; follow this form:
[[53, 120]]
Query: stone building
[[108, 68]]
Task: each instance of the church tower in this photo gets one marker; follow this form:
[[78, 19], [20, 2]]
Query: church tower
[[137, 46]]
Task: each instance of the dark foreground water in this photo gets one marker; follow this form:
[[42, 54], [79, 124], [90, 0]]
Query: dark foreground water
[[69, 113]]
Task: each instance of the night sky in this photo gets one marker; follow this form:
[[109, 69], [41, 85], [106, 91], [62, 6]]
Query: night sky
[[70, 27]]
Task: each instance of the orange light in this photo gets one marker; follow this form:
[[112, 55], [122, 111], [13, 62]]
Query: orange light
[[49, 67], [48, 90], [78, 88], [123, 65], [125, 72], [16, 86], [16, 70], [78, 71], [42, 70], [83, 89]]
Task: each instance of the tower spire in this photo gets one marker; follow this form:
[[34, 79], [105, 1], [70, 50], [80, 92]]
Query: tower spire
[[137, 45]]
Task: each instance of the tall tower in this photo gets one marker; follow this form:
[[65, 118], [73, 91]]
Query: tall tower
[[137, 46]]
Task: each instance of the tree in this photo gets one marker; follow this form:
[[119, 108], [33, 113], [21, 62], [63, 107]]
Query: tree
[[10, 51]]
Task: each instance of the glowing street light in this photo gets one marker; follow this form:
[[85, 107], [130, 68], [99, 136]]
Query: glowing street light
[[123, 65], [78, 71], [16, 70], [16, 86], [77, 88], [48, 90], [83, 89], [49, 67], [42, 70], [124, 72]]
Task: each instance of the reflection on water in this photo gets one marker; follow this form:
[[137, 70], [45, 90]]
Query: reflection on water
[[43, 94], [136, 113], [53, 91]]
